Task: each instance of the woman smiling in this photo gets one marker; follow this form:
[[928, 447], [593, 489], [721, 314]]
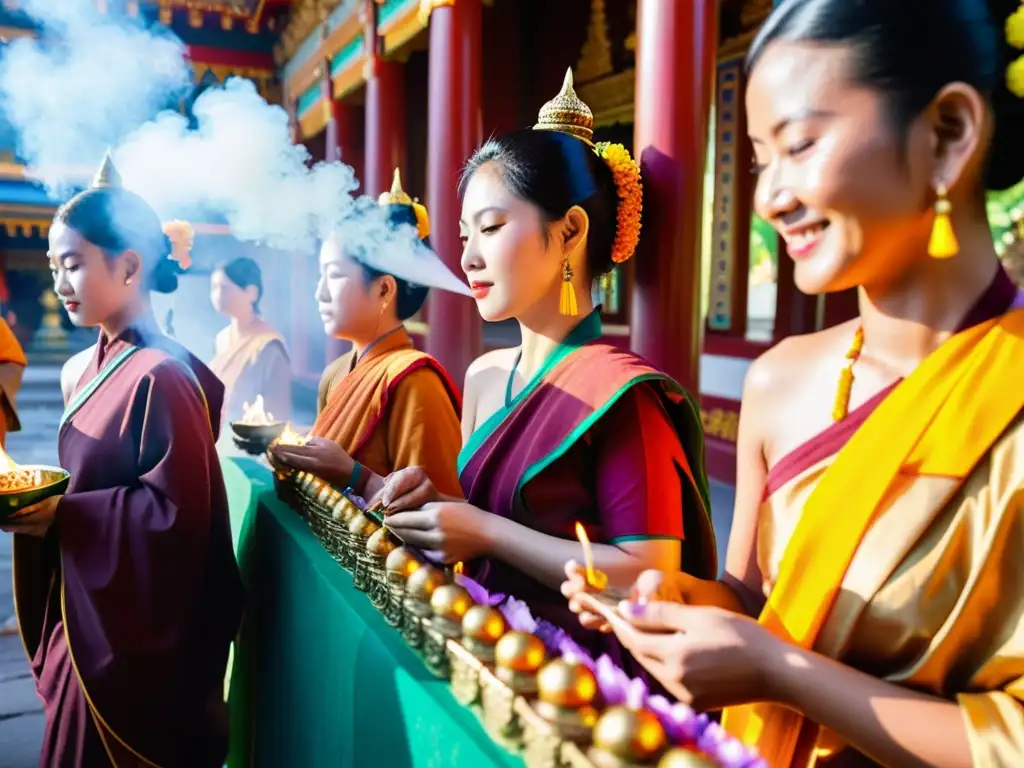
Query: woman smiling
[[879, 524]]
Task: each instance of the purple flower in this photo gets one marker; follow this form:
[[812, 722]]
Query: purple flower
[[636, 693], [518, 615], [682, 724], [477, 592], [612, 681]]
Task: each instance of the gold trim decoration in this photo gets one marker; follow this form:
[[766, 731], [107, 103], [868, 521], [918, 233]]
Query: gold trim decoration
[[728, 97], [596, 56], [427, 7]]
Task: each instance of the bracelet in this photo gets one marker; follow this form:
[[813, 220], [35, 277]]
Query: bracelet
[[353, 478]]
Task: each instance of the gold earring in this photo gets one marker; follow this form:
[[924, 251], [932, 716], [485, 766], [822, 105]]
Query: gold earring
[[567, 301], [942, 244]]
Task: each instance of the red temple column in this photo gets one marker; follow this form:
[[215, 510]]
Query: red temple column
[[454, 324], [385, 125], [674, 75]]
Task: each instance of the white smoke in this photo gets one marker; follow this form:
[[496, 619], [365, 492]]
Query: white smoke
[[94, 81]]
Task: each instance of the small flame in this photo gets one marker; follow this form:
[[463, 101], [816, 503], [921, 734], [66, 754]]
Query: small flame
[[458, 568], [13, 478], [595, 578], [290, 437], [255, 415]]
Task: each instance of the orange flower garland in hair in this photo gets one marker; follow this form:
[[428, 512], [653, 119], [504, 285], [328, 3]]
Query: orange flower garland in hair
[[1015, 37], [626, 173], [182, 236]]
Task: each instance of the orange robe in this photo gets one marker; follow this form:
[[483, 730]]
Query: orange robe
[[251, 364], [395, 407], [12, 365]]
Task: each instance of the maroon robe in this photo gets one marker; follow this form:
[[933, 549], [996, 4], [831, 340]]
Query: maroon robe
[[129, 605]]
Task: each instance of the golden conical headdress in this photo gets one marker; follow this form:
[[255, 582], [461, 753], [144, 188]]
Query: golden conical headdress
[[397, 195], [107, 175], [567, 113]]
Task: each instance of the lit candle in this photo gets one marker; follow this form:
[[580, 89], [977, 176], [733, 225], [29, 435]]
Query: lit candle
[[595, 578]]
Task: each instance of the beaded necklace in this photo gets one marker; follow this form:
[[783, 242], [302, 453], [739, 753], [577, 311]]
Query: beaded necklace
[[841, 407]]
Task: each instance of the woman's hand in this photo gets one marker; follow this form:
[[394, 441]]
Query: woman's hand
[[575, 584], [650, 585], [706, 657], [452, 531], [35, 520], [319, 456], [408, 488]]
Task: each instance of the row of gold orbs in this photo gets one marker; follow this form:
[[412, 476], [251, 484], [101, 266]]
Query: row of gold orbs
[[548, 710]]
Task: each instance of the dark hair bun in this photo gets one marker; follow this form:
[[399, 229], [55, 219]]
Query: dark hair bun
[[164, 276], [555, 171], [956, 41]]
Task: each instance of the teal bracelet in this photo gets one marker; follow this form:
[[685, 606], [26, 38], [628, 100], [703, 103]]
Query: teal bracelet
[[353, 479]]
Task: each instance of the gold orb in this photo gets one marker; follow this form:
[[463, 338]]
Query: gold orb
[[381, 543], [631, 734], [566, 683], [520, 652], [360, 525], [400, 561], [450, 601], [344, 510], [423, 582], [484, 624], [685, 758]]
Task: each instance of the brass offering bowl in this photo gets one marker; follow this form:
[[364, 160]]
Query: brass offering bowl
[[53, 482], [256, 438], [416, 605], [564, 713], [324, 503], [343, 513], [627, 738], [360, 528], [567, 690], [449, 604], [482, 627], [399, 565], [518, 656], [378, 547]]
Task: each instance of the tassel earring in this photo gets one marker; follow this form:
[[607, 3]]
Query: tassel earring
[[567, 300], [943, 243]]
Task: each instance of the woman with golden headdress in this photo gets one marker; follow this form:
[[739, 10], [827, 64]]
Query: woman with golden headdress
[[563, 429], [879, 524], [384, 405], [126, 589]]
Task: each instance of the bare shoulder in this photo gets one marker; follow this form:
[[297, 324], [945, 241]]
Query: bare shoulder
[[789, 391], [73, 369], [793, 362]]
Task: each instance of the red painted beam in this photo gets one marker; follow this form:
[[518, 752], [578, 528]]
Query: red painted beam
[[202, 54]]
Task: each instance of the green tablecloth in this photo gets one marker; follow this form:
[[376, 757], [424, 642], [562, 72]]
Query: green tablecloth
[[320, 679]]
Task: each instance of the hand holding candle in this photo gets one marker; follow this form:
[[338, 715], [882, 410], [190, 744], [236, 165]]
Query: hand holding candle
[[595, 579]]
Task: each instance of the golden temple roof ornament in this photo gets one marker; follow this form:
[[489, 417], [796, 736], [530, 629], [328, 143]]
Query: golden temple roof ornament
[[397, 195], [107, 175], [567, 113]]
